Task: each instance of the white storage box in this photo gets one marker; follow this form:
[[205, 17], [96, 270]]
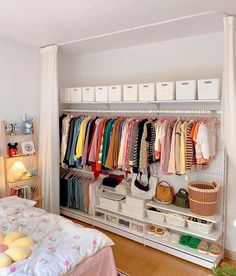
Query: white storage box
[[204, 228], [136, 201], [137, 227], [175, 219], [186, 90], [115, 93], [101, 93], [133, 211], [146, 92], [165, 91], [209, 89], [76, 94], [155, 215], [109, 204], [65, 95], [88, 94], [130, 92]]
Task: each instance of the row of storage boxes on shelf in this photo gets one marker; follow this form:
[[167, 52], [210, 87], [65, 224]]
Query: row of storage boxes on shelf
[[207, 89], [136, 207], [131, 225]]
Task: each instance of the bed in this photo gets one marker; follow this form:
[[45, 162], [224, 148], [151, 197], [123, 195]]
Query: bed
[[61, 246]]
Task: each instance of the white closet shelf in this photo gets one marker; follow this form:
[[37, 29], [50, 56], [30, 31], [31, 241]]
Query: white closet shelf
[[179, 247], [147, 102], [213, 236], [183, 211]]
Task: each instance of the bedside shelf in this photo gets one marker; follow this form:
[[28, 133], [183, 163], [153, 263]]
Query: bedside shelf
[[23, 179]]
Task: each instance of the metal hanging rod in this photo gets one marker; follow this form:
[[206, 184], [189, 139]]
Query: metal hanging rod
[[172, 20], [144, 111]]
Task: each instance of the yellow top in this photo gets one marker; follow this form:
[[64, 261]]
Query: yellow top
[[81, 137]]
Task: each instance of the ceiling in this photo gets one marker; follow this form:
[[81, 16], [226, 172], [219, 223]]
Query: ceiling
[[46, 22]]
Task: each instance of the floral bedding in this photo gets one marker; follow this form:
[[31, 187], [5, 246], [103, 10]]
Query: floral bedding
[[60, 245]]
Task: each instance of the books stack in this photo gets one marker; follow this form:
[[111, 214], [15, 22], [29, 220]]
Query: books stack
[[26, 192]]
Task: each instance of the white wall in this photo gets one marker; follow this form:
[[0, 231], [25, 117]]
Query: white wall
[[19, 80], [19, 84], [186, 58]]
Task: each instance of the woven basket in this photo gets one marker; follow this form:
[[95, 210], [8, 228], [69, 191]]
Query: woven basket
[[200, 227], [203, 197]]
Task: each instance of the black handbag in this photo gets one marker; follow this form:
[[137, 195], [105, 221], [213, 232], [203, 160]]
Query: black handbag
[[181, 199], [140, 184]]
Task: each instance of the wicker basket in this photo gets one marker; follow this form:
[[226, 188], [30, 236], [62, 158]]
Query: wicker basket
[[175, 219], [203, 197], [200, 227], [156, 216]]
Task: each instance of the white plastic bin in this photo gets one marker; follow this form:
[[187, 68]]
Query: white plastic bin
[[146, 92], [209, 89], [186, 90], [76, 94], [115, 93], [101, 93], [65, 95], [88, 94], [109, 204], [130, 92], [165, 91]]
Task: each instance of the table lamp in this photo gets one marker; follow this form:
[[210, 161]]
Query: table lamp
[[17, 170]]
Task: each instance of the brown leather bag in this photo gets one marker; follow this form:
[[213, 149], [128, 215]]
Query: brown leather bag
[[164, 193]]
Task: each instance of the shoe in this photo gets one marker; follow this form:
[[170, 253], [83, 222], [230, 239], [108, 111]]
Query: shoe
[[203, 247], [159, 231], [215, 250], [151, 229], [166, 236], [175, 238]]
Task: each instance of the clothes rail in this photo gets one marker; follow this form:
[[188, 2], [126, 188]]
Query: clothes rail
[[144, 111]]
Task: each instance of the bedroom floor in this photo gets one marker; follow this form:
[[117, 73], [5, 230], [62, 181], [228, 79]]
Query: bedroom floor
[[131, 257]]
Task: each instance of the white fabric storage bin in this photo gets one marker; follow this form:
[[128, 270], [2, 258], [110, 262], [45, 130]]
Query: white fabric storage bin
[[115, 93], [136, 201], [76, 94], [130, 92], [146, 92], [133, 211], [101, 93], [199, 227], [209, 89], [186, 90], [65, 95], [109, 204], [155, 215], [165, 91], [88, 94], [175, 219]]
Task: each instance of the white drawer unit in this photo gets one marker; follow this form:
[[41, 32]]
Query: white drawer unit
[[115, 93], [76, 94], [136, 201], [130, 92], [165, 91], [65, 95], [209, 89], [146, 92], [109, 204], [186, 90], [88, 94], [101, 93]]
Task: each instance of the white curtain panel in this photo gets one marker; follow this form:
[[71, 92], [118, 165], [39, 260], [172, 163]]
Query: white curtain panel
[[229, 89], [49, 130]]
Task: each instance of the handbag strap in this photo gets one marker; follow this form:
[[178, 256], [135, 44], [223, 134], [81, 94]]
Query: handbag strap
[[164, 182], [183, 191]]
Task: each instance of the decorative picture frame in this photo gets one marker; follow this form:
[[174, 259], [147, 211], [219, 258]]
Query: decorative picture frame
[[28, 147]]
